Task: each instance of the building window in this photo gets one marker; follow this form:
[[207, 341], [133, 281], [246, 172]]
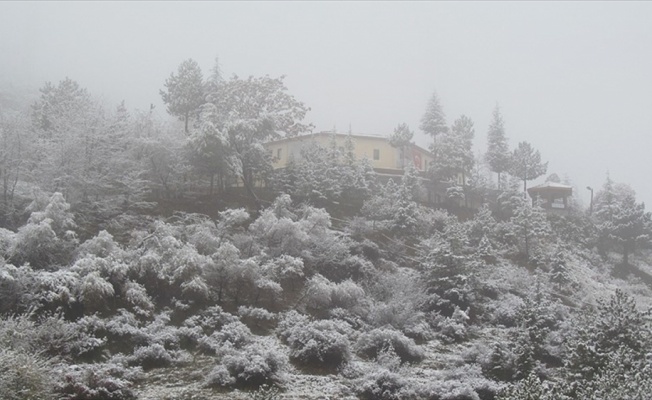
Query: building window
[[278, 153], [376, 154]]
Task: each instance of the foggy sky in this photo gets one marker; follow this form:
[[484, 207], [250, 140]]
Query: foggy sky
[[573, 79]]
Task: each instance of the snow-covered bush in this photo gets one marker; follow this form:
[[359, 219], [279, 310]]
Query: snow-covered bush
[[98, 382], [234, 335], [382, 385], [453, 328], [17, 285], [152, 356], [49, 335], [95, 292], [102, 245], [371, 343], [210, 320], [25, 376], [7, 238], [36, 244], [320, 344], [256, 364], [322, 295], [289, 321], [136, 295], [258, 318], [399, 299]]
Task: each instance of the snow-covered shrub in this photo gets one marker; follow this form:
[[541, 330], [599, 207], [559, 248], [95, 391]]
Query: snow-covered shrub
[[258, 363], [211, 319], [57, 288], [347, 295], [98, 382], [322, 295], [321, 344], [123, 330], [382, 385], [195, 290], [234, 335], [205, 239], [136, 295], [36, 244], [257, 317], [448, 390], [453, 328], [102, 245], [219, 376], [289, 321], [399, 299], [95, 292], [286, 269], [17, 286], [47, 239], [152, 356], [7, 238], [25, 376], [371, 343], [505, 311], [49, 335]]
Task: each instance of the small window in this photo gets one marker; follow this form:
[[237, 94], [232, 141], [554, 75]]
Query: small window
[[376, 154], [278, 153]]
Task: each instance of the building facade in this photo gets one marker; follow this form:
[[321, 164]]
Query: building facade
[[386, 159]]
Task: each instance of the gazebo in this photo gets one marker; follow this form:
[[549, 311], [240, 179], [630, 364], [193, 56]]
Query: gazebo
[[551, 196]]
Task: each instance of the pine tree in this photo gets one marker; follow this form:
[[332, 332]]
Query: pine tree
[[453, 155], [530, 223], [433, 121], [184, 92], [526, 164], [401, 138], [497, 155], [558, 269], [622, 223]]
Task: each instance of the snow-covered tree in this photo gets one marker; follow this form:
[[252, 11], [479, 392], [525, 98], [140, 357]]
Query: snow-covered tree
[[530, 223], [433, 121], [250, 112], [401, 139], [70, 143], [453, 154], [15, 155], [184, 91], [622, 222], [497, 155], [526, 164], [208, 146]]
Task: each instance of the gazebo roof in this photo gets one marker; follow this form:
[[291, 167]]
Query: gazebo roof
[[551, 187]]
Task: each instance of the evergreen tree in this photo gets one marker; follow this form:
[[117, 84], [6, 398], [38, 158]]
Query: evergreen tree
[[497, 155], [401, 139], [558, 269], [184, 92], [526, 164], [622, 223], [616, 332], [530, 223], [433, 121], [453, 155]]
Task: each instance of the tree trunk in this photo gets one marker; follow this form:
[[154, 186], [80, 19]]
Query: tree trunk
[[210, 194]]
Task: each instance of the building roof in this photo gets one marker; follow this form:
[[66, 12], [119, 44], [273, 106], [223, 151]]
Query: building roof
[[551, 187], [326, 133]]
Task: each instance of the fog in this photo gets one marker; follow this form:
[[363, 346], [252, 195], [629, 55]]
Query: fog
[[573, 79]]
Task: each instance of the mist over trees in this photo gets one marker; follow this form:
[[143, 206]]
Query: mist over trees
[[144, 258]]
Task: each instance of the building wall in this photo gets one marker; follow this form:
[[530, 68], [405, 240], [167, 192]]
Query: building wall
[[376, 149]]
